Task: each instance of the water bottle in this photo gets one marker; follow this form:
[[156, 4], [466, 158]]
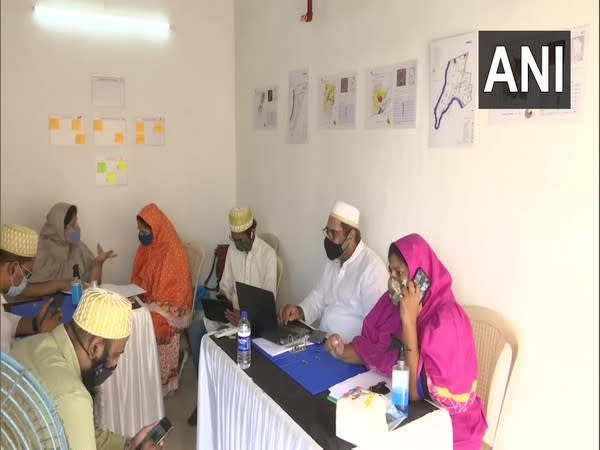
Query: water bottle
[[76, 288], [244, 341], [400, 384]]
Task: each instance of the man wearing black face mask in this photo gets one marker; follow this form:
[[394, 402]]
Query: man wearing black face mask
[[249, 260], [73, 360], [353, 280]]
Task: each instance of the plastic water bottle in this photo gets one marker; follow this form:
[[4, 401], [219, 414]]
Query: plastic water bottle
[[244, 341], [76, 288], [400, 384]]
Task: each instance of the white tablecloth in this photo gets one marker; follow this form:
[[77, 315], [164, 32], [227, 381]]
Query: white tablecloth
[[132, 398], [235, 414]]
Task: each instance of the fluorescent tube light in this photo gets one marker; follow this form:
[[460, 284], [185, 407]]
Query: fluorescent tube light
[[99, 22]]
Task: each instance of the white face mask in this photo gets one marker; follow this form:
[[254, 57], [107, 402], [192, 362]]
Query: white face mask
[[15, 291], [395, 289]]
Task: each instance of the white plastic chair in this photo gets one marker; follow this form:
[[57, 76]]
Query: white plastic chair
[[270, 239], [497, 347], [195, 256]]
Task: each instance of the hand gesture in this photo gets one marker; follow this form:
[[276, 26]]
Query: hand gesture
[[289, 313], [46, 320], [103, 256], [335, 345], [233, 316], [410, 305]]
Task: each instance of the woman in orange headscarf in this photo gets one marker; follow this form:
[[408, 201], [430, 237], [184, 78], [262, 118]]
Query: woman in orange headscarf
[[161, 268]]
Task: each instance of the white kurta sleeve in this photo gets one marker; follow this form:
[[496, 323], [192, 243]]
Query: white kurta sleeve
[[314, 304], [270, 277], [9, 327], [373, 285], [227, 280]]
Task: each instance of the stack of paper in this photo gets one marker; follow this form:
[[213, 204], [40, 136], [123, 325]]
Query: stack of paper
[[126, 290], [273, 349]]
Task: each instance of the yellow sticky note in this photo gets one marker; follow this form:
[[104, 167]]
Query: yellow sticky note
[[101, 167], [98, 125], [119, 138], [139, 126], [111, 178], [139, 139], [122, 165], [76, 125], [159, 128], [54, 123], [80, 138]]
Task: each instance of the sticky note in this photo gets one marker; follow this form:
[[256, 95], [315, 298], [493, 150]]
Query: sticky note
[[80, 138], [76, 125], [98, 126], [54, 123], [122, 165], [101, 167], [111, 178], [139, 139], [159, 128], [139, 126], [119, 138]]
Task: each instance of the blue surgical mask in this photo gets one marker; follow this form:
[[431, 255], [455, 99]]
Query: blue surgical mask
[[15, 291], [74, 236], [145, 239]]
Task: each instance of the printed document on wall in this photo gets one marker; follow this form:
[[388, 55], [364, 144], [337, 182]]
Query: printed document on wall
[[337, 101], [392, 96], [66, 130], [265, 108], [109, 131], [108, 92], [580, 46], [298, 107], [150, 131], [111, 171], [453, 74]]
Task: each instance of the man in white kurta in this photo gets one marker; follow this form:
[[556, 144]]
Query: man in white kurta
[[352, 282]]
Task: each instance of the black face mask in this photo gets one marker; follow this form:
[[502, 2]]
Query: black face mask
[[243, 246], [333, 250], [102, 373]]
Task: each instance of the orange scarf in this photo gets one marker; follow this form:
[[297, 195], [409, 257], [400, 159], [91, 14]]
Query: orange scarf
[[162, 269]]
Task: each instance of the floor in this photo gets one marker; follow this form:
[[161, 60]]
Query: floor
[[178, 407]]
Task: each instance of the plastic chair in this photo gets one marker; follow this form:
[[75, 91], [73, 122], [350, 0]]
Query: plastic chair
[[270, 239], [279, 275], [195, 254], [497, 347]]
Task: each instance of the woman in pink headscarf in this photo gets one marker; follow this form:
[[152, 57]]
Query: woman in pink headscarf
[[437, 336]]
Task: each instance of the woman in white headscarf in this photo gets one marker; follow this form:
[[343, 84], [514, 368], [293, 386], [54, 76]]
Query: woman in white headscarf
[[60, 248]]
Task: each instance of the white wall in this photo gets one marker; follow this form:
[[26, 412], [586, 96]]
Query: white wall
[[188, 79], [515, 218]]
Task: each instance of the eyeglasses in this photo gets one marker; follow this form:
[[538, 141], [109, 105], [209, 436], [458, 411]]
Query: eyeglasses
[[330, 233], [28, 273]]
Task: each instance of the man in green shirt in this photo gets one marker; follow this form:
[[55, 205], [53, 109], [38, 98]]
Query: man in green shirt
[[73, 360]]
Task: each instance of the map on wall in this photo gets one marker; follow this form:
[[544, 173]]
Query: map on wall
[[337, 101], [298, 107], [392, 96], [453, 72]]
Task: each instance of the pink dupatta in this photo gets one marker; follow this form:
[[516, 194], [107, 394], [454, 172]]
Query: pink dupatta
[[448, 360]]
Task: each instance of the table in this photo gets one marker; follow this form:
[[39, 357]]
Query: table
[[262, 408], [132, 397]]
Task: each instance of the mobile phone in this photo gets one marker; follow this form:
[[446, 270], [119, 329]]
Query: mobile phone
[[422, 281], [158, 433], [57, 302]]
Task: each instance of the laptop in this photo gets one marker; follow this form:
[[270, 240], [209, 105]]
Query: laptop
[[260, 305]]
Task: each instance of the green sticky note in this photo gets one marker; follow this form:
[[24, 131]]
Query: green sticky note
[[111, 178], [101, 167], [122, 165]]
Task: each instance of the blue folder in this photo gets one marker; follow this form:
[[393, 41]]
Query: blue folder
[[31, 309], [314, 368]]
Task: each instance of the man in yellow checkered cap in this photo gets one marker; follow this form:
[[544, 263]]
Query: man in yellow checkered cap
[[73, 360], [18, 247]]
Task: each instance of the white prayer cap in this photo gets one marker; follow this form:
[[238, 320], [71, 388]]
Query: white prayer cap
[[346, 213]]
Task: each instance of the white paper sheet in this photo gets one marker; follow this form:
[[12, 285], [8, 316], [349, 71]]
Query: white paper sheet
[[126, 290], [150, 131], [67, 130], [298, 107], [364, 380], [111, 171], [265, 108], [273, 349], [108, 92], [337, 101], [109, 131]]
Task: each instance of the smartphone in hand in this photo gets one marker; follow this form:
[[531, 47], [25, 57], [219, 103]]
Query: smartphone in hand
[[422, 281], [57, 302], [158, 433]]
